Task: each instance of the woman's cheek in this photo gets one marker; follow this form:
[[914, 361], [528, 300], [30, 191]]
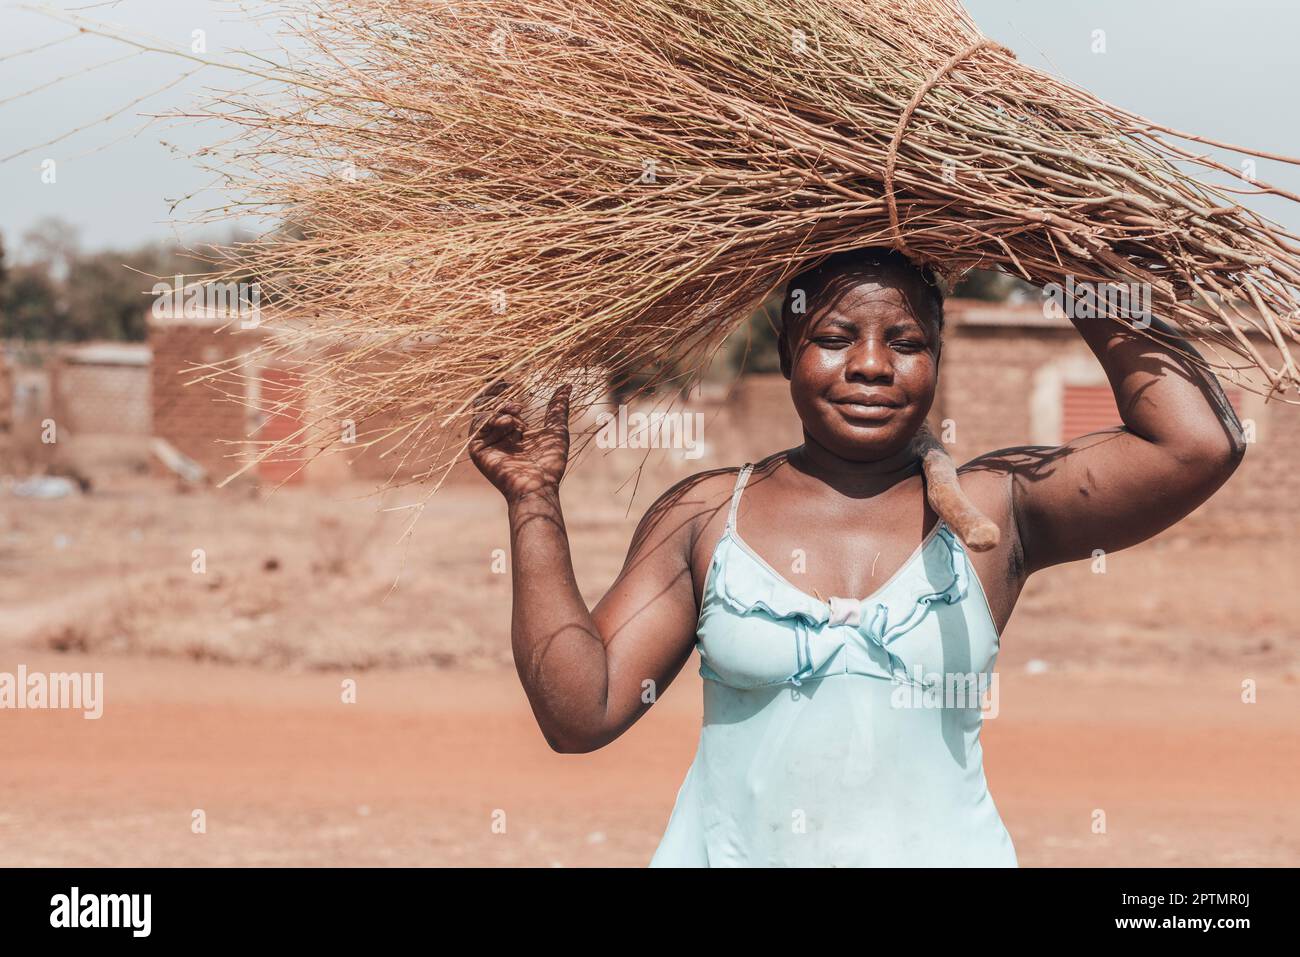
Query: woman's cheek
[[816, 365]]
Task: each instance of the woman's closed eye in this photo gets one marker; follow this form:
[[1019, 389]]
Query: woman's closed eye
[[908, 345]]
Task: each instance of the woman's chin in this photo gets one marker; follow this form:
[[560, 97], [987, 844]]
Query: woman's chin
[[868, 443], [863, 438]]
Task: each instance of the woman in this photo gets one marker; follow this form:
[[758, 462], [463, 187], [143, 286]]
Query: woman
[[815, 750]]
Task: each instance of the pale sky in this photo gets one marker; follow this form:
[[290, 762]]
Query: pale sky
[[1226, 69]]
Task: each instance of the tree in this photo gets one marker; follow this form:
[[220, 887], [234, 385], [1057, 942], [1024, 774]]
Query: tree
[[31, 304], [53, 242], [57, 292]]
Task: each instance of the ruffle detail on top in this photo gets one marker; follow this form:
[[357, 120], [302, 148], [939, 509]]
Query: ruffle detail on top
[[879, 622]]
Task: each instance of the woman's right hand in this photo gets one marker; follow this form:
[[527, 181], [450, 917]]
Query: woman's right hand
[[585, 671], [516, 459]]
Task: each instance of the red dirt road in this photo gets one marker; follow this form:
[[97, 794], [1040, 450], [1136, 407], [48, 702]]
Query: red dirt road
[[416, 772]]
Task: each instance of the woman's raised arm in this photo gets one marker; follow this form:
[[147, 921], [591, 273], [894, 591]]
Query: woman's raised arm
[[589, 675], [1179, 443]]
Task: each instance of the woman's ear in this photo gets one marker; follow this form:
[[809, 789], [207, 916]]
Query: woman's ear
[[783, 352]]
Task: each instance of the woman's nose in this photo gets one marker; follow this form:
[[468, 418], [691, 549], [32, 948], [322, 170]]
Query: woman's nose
[[869, 360]]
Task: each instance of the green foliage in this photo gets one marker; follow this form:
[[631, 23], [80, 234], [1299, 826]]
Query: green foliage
[[31, 305], [752, 347], [55, 291]]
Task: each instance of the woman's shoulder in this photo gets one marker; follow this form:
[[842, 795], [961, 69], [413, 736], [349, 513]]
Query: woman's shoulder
[[682, 512], [987, 480], [708, 488], [719, 484], [698, 499]]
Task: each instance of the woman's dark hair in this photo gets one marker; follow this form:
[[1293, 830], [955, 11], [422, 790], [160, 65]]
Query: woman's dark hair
[[867, 259]]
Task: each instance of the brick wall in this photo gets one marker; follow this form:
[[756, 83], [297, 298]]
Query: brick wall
[[220, 428], [1263, 497], [95, 394], [1001, 385], [1003, 373], [102, 389], [987, 381], [199, 420], [99, 401], [376, 456], [384, 459]]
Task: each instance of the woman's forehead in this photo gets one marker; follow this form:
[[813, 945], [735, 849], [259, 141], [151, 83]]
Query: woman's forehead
[[858, 282], [864, 301], [867, 293]]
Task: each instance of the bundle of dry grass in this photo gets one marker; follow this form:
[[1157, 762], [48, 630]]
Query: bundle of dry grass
[[533, 190]]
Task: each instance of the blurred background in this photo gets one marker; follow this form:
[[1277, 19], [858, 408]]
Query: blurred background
[[1124, 694]]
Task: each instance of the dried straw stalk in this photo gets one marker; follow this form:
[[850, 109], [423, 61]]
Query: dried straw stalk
[[537, 190]]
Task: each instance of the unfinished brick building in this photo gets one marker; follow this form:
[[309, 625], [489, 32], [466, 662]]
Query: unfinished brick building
[[199, 420], [1010, 376], [221, 425]]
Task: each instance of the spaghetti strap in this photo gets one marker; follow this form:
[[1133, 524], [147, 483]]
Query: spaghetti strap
[[741, 479]]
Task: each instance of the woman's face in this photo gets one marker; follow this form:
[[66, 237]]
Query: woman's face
[[862, 366]]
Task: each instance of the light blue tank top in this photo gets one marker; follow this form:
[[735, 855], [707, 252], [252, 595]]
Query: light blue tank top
[[840, 733]]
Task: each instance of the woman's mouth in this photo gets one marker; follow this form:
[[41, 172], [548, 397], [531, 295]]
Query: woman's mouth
[[867, 408]]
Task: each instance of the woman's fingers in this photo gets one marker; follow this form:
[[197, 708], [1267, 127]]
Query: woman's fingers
[[482, 404], [504, 428], [557, 410]]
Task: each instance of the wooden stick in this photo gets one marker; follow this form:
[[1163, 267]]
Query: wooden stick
[[946, 497]]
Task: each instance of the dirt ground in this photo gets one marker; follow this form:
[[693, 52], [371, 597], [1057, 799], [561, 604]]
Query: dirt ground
[[1120, 693], [425, 763]]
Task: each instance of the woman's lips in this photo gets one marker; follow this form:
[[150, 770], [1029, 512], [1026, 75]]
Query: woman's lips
[[867, 411]]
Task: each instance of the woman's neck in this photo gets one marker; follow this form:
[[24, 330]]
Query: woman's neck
[[849, 477]]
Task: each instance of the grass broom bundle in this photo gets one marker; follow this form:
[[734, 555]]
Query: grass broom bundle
[[530, 191]]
